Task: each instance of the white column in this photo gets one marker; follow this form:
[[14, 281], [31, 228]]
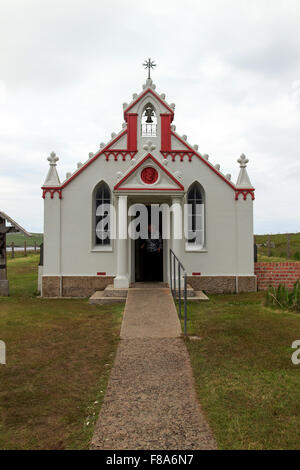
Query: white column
[[177, 226], [121, 279]]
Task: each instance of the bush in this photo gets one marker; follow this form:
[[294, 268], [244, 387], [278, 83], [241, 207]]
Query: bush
[[297, 255], [283, 298]]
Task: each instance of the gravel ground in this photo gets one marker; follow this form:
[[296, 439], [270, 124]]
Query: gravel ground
[[150, 402]]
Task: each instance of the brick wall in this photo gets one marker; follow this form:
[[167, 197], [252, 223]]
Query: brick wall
[[273, 274]]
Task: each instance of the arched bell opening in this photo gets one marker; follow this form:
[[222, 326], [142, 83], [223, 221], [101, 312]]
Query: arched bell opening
[[149, 121]]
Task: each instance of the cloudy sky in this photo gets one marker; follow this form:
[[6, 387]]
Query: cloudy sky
[[232, 67]]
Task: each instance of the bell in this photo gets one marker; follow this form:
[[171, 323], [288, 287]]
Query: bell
[[149, 113]]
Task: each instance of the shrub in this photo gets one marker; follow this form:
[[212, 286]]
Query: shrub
[[297, 255], [283, 298]]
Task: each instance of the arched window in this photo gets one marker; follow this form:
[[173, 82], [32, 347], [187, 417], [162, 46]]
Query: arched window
[[195, 214], [102, 214], [149, 121]]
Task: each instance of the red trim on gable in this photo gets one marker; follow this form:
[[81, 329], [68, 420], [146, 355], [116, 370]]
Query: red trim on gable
[[181, 153], [115, 153], [52, 191], [204, 161], [147, 157], [142, 96], [132, 132], [165, 132], [91, 160], [245, 193], [149, 189]]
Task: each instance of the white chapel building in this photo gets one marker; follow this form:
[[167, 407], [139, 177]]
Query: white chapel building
[[148, 162]]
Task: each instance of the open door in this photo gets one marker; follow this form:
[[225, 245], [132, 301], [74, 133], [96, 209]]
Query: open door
[[149, 254]]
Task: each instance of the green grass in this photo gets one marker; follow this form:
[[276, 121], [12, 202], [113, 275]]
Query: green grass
[[247, 385], [279, 253], [270, 259], [59, 355], [19, 238]]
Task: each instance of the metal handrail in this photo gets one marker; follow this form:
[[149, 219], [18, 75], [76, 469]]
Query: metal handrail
[[180, 267]]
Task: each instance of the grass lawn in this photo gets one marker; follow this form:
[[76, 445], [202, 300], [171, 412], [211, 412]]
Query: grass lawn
[[247, 385], [279, 252], [59, 355]]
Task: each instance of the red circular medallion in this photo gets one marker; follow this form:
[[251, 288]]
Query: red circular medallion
[[149, 175]]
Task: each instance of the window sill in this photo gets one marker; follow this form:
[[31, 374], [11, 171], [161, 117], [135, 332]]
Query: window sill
[[97, 249], [197, 249]]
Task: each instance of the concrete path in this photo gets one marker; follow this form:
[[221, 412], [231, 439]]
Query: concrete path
[[150, 401], [150, 313]]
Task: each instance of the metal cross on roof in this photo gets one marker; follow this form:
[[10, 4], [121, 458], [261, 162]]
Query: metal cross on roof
[[149, 64]]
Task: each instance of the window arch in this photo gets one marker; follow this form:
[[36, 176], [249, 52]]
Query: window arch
[[149, 121], [195, 214], [102, 215]]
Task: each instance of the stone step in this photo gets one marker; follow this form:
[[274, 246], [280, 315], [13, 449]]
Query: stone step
[[189, 291], [198, 295], [110, 291], [98, 298]]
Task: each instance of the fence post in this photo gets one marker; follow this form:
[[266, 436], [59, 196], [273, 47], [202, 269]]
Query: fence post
[[25, 248], [288, 246], [269, 245], [35, 246], [12, 249]]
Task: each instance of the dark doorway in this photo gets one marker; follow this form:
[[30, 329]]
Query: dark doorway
[[149, 254]]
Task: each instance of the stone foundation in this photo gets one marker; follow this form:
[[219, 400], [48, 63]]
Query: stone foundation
[[222, 284], [74, 286]]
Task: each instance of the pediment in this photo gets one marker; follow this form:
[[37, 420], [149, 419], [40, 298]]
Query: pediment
[[149, 175]]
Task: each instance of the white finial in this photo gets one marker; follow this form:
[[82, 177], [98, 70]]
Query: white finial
[[172, 105], [52, 178], [149, 146], [243, 161], [163, 96], [149, 84], [68, 175], [165, 161], [173, 127], [217, 166], [52, 159], [206, 156], [134, 96], [113, 135], [124, 125], [196, 147], [79, 165], [119, 175], [133, 161], [228, 176], [91, 154], [243, 180], [184, 137], [102, 145], [125, 105]]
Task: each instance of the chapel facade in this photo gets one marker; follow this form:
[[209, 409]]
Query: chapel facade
[[147, 163]]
